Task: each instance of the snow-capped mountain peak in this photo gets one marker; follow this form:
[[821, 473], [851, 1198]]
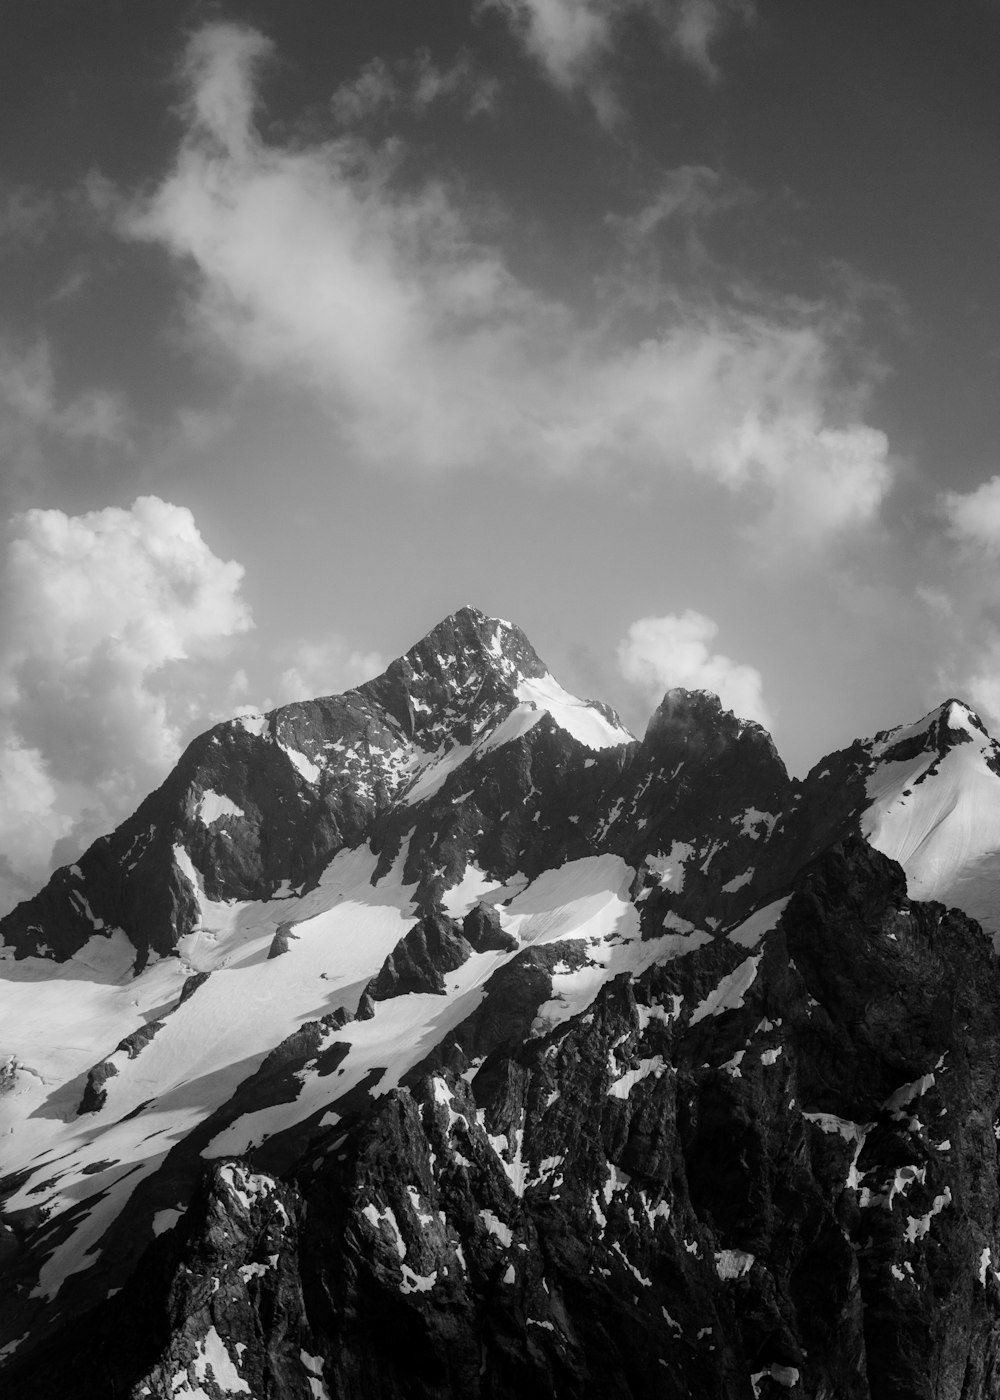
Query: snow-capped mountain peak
[[460, 969], [932, 802]]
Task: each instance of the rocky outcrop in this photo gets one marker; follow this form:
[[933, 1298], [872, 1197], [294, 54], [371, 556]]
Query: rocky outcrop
[[768, 1168], [94, 1093], [420, 960]]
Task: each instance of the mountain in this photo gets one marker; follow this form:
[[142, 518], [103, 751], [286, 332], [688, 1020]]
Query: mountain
[[444, 1039]]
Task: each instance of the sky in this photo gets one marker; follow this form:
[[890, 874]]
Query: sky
[[667, 329]]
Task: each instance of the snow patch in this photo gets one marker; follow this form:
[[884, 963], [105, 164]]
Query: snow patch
[[750, 932], [733, 1263], [213, 806], [729, 994], [583, 721], [497, 1228], [305, 766], [212, 1354], [623, 1086], [165, 1220], [669, 869]]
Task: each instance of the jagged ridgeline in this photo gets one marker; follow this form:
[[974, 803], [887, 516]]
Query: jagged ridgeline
[[442, 1039]]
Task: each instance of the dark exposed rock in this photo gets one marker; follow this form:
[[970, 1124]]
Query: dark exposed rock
[[613, 1215], [282, 940], [420, 959], [95, 1095], [482, 929], [191, 985]]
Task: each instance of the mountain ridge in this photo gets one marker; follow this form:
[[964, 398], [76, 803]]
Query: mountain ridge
[[436, 879]]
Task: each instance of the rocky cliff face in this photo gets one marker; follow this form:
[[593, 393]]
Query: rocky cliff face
[[489, 1052]]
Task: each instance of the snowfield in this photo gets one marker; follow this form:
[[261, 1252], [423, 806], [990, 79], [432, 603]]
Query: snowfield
[[940, 817]]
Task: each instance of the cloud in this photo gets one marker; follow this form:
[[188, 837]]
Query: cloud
[[688, 192], [221, 63], [660, 653], [107, 622], [328, 267], [974, 517], [568, 38], [574, 41], [39, 423], [695, 25], [26, 215], [412, 85], [326, 668]]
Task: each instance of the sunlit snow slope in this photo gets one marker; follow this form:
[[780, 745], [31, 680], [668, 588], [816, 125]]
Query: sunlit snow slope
[[934, 805]]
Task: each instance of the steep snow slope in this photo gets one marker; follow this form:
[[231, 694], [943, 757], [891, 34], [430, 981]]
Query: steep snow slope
[[54, 1029], [933, 795]]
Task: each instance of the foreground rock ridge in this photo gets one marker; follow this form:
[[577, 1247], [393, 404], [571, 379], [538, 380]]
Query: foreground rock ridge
[[443, 1039]]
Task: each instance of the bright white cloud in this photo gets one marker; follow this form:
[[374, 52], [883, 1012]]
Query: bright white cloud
[[660, 653], [105, 618], [315, 263]]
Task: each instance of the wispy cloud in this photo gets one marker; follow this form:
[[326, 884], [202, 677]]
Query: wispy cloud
[[660, 653], [967, 607], [326, 667], [973, 517], [412, 85], [27, 215], [574, 42], [106, 620], [696, 25], [39, 422], [385, 297]]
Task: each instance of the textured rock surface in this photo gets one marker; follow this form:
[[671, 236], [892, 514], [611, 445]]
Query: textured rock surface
[[595, 1068]]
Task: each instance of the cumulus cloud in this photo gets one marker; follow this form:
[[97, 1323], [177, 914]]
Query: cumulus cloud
[[660, 653], [103, 621], [317, 264]]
